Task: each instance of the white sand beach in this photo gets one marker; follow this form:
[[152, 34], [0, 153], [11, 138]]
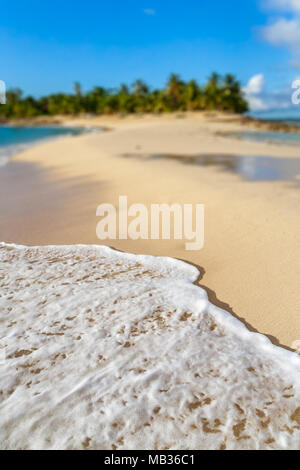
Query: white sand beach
[[250, 262], [107, 350], [118, 351]]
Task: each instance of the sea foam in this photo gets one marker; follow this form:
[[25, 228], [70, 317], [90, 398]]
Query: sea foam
[[108, 350]]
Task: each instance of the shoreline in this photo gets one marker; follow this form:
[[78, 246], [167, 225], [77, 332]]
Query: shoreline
[[252, 123], [247, 254], [7, 151], [130, 324]]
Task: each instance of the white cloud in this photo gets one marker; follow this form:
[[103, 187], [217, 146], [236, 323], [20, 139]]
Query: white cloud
[[260, 99], [285, 5], [284, 30], [255, 84], [253, 91], [149, 11]]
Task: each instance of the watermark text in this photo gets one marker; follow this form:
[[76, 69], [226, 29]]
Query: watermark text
[[160, 222]]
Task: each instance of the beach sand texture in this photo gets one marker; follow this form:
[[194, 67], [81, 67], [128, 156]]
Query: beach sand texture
[[250, 263], [107, 350]]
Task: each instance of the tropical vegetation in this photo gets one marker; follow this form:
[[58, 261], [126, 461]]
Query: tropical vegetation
[[219, 93]]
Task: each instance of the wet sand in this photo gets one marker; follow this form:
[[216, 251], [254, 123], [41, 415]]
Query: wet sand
[[250, 263]]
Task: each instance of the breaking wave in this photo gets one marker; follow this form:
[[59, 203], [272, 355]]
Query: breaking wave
[[108, 350]]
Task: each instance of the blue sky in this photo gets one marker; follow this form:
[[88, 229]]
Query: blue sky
[[48, 45]]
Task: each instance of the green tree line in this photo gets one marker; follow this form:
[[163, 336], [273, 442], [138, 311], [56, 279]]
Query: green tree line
[[219, 93]]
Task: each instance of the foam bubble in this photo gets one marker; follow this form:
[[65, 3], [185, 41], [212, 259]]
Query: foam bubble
[[107, 350]]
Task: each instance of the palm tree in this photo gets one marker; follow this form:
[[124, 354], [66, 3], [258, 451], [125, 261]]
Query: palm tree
[[140, 88], [14, 95], [157, 101], [94, 101], [212, 92], [124, 90], [191, 95], [174, 91], [232, 98], [223, 93], [125, 100], [140, 91], [77, 89]]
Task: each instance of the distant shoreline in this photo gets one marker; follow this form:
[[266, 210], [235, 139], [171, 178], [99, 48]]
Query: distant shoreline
[[245, 121]]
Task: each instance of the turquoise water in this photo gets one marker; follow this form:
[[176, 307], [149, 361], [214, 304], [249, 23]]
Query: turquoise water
[[15, 139], [288, 116], [284, 115], [290, 138]]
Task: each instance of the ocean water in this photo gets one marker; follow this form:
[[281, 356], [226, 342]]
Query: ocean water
[[286, 116], [290, 138], [107, 350], [15, 139], [249, 168]]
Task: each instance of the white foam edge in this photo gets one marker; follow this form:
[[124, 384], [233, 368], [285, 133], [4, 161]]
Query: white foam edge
[[288, 361]]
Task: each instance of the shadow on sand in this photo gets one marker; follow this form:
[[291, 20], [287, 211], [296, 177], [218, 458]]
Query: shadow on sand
[[212, 297]]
